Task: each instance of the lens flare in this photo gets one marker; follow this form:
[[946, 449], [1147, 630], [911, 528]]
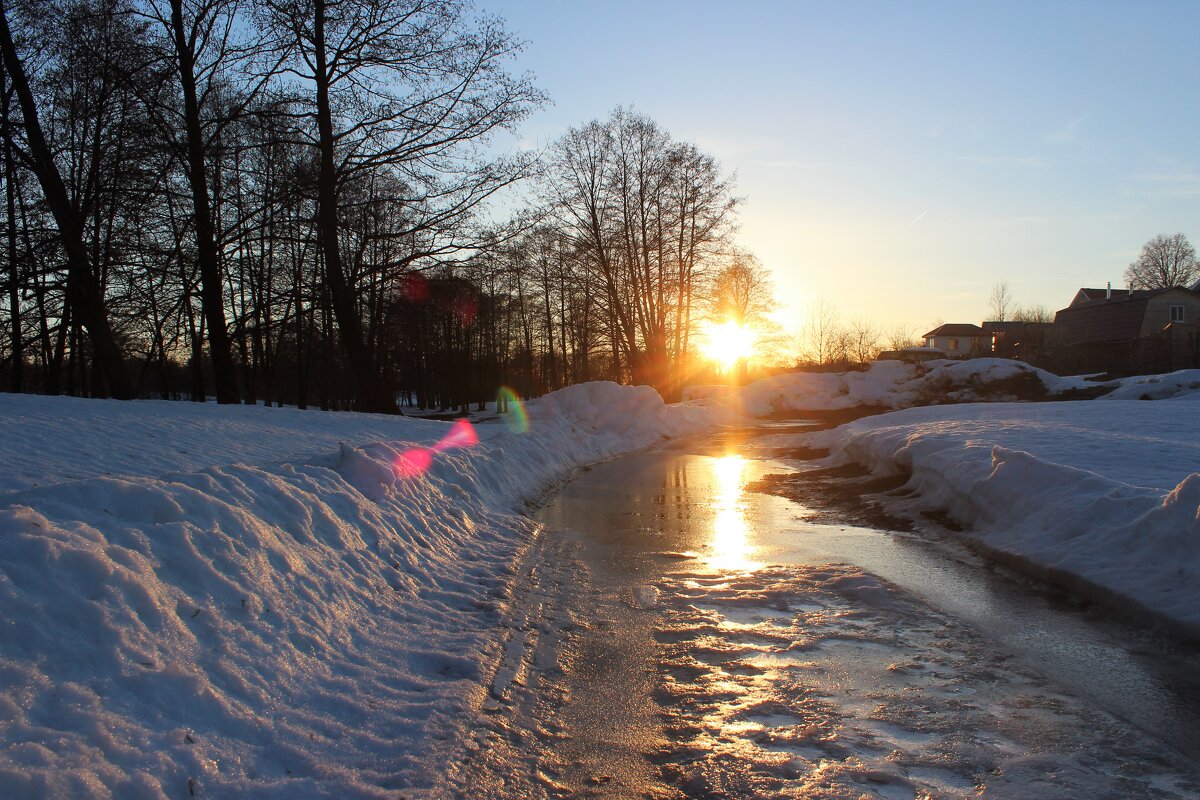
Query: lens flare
[[413, 463], [461, 434], [516, 418], [416, 461]]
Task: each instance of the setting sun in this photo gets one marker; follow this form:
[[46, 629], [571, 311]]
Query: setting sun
[[729, 343]]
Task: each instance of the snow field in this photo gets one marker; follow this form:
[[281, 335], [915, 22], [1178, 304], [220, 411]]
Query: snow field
[[303, 623]]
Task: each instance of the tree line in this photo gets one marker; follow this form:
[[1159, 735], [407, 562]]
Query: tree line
[[296, 201]]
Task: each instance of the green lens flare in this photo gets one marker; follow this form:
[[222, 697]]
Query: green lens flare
[[517, 419]]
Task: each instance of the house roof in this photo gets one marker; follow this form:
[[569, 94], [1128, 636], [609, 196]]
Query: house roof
[[956, 329], [1090, 297], [1086, 295], [1101, 320]]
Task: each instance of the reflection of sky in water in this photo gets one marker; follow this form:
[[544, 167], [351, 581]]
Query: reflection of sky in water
[[730, 548]]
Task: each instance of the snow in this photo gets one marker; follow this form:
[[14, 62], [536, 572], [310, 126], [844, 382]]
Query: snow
[[1103, 493], [1181, 385], [204, 601], [896, 384]]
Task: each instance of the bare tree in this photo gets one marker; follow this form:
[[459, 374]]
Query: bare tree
[[742, 291], [196, 38], [1035, 313], [85, 293], [901, 336], [824, 339], [864, 341], [409, 85], [1165, 262], [652, 217], [1001, 301]]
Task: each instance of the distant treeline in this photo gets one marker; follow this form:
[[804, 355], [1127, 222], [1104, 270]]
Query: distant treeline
[[292, 201]]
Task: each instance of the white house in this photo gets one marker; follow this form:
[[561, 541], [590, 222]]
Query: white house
[[959, 339]]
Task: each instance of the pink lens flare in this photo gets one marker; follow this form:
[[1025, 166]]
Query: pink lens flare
[[462, 434], [416, 461]]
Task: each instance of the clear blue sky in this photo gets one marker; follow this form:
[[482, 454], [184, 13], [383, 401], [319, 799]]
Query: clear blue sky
[[897, 159]]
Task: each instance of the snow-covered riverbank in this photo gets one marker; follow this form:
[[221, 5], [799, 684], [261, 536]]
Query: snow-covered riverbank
[[1102, 495], [226, 601], [1098, 492]]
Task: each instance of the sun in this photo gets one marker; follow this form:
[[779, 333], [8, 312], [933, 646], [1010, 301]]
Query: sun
[[729, 343]]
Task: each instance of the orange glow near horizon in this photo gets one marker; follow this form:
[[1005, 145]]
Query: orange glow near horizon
[[729, 343]]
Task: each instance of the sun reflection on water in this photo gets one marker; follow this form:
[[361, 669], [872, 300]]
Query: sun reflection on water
[[730, 548]]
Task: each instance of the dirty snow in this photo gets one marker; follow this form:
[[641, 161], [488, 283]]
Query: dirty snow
[[767, 668]]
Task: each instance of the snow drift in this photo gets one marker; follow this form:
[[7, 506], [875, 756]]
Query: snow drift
[[203, 601], [1102, 493]]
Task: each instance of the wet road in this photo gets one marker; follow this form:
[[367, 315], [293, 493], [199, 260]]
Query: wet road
[[646, 516]]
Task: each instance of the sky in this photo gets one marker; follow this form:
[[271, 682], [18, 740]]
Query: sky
[[897, 160]]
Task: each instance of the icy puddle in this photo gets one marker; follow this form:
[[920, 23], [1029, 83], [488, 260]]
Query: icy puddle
[[861, 691], [719, 645]]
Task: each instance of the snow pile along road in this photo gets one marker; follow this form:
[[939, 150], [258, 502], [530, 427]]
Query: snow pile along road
[[1102, 494], [202, 601]]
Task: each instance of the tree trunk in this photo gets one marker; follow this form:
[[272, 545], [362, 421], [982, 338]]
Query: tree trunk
[[370, 391], [16, 384], [212, 303], [83, 290]]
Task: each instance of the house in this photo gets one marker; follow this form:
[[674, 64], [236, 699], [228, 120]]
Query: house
[[1027, 341], [1128, 331], [959, 340]]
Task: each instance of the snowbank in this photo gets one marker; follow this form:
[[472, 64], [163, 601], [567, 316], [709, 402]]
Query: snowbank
[[1181, 385], [203, 601], [896, 384], [1103, 492]]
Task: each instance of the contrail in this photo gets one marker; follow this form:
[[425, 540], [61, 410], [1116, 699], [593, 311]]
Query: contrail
[[918, 219]]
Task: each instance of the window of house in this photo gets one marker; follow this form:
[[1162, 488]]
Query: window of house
[[1176, 313], [954, 344]]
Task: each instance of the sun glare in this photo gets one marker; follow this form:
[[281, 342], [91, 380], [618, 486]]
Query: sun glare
[[730, 548], [729, 343]]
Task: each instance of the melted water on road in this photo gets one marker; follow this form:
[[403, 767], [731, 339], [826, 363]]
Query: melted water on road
[[640, 519]]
